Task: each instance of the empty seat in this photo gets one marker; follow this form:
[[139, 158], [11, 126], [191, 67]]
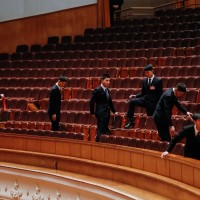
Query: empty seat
[[16, 56], [36, 48], [27, 56], [169, 51], [78, 38], [104, 138], [141, 143], [61, 47], [178, 149], [155, 145], [53, 40], [49, 47], [4, 56], [196, 60], [22, 48]]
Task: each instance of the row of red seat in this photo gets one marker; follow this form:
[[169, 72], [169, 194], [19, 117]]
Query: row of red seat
[[78, 99], [148, 28], [129, 82], [104, 62], [56, 72], [123, 53], [117, 45], [84, 122], [179, 42], [18, 117], [34, 132], [135, 36], [28, 83], [115, 72], [28, 93], [162, 17], [75, 63], [177, 12], [154, 145], [192, 94], [161, 71], [146, 128]]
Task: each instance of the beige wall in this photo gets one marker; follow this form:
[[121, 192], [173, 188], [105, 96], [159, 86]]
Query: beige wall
[[36, 29]]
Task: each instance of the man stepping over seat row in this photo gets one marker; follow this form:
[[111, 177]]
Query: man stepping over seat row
[[150, 94]]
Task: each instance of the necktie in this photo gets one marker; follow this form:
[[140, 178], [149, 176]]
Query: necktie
[[107, 94], [149, 81]]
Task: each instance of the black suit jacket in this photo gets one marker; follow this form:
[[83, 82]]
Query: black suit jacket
[[54, 100], [192, 146], [151, 93], [103, 105], [165, 105]]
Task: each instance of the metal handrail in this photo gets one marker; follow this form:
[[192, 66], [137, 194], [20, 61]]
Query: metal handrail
[[151, 8], [169, 4]]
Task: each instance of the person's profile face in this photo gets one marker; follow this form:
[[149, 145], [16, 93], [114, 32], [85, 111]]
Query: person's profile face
[[197, 123], [106, 82], [62, 84], [179, 93], [148, 74]]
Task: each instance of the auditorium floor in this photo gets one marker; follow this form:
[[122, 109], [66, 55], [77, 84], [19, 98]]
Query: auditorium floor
[[136, 193]]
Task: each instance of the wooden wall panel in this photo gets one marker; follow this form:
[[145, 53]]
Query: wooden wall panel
[[187, 177], [33, 145], [138, 167], [98, 153], [86, 151], [196, 176], [111, 155], [163, 167], [125, 158], [192, 2], [62, 148], [175, 170], [137, 160], [150, 163], [36, 29], [48, 147]]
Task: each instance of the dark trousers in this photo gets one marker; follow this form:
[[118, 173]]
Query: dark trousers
[[141, 102], [102, 125], [112, 15], [135, 102], [55, 124], [163, 129]]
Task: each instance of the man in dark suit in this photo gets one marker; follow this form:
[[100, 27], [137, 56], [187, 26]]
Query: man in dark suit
[[151, 91], [163, 112], [55, 103], [192, 135], [102, 98], [115, 5]]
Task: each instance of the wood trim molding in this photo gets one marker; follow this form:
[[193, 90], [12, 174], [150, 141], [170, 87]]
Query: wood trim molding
[[137, 167]]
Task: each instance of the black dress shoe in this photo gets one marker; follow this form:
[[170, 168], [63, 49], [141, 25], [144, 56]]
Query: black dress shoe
[[130, 125]]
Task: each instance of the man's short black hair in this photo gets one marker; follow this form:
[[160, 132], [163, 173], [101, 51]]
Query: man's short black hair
[[149, 67], [181, 87], [196, 116], [104, 76], [63, 79]]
